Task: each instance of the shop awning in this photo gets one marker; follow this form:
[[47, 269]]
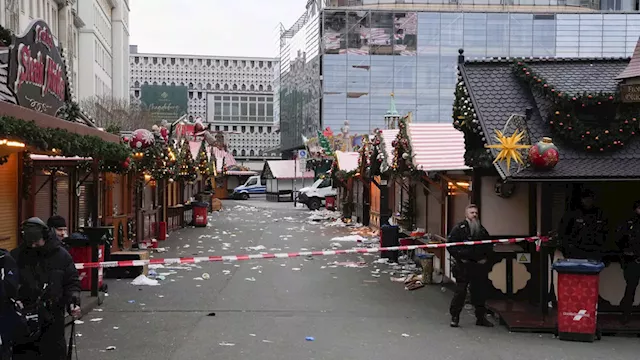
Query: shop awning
[[437, 147], [347, 161]]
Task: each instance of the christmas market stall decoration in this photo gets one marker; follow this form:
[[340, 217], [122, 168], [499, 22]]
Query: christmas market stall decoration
[[538, 132], [40, 118], [322, 148], [344, 172], [283, 176], [362, 183], [379, 171]]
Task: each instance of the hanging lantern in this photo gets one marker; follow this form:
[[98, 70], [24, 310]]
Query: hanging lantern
[[141, 139], [544, 154]]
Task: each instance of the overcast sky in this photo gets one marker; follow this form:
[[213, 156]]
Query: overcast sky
[[211, 27]]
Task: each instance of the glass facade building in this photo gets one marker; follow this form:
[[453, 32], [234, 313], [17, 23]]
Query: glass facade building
[[365, 55]]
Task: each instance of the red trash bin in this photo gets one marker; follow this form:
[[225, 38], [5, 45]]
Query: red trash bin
[[200, 211], [330, 202], [80, 251], [578, 282]]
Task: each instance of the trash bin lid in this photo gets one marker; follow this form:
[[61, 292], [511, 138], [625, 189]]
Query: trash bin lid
[[578, 266]]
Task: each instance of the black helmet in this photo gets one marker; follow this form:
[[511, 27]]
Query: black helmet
[[34, 229]]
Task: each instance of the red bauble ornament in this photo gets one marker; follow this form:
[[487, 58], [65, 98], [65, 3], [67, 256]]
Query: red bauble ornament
[[544, 155], [141, 139]]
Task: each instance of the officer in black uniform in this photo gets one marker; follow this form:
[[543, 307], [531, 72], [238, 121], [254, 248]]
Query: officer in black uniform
[[583, 232], [628, 240], [470, 267]]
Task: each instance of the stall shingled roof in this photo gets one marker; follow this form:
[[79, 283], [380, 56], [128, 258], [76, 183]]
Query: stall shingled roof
[[497, 94]]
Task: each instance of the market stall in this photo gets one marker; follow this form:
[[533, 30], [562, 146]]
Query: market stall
[[284, 177], [39, 117], [432, 181], [525, 182], [344, 173]]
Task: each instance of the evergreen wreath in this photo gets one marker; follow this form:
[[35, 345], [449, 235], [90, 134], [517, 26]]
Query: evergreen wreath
[[565, 120]]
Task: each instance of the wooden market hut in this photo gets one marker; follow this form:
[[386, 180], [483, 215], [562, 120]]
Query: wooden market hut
[[584, 105], [284, 178], [362, 184], [432, 181], [344, 173], [380, 160], [43, 121], [223, 160]]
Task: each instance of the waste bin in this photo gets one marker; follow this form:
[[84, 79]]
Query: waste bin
[[578, 282], [330, 202], [90, 246], [200, 210], [389, 237]]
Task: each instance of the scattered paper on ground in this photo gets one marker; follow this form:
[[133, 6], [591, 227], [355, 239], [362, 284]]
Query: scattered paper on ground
[[142, 280]]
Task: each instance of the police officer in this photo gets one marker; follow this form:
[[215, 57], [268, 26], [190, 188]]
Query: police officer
[[583, 232], [470, 267], [49, 285], [628, 241]]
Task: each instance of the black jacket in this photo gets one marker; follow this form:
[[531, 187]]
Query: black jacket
[[628, 236], [462, 232], [50, 264], [8, 291], [583, 230]]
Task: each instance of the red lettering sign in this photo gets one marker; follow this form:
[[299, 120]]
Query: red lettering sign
[[37, 73]]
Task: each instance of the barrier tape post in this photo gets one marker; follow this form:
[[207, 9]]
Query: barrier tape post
[[225, 258]]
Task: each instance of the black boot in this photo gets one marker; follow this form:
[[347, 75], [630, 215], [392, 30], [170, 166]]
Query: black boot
[[455, 321], [483, 321]]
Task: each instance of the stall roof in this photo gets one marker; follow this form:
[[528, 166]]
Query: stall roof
[[241, 172], [437, 147], [221, 157], [38, 157], [497, 94], [286, 169], [388, 135], [347, 161]]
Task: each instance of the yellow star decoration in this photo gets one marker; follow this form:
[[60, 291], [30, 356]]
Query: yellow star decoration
[[509, 148]]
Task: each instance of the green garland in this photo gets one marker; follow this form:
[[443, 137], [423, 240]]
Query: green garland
[[464, 119], [66, 143], [378, 159], [27, 174], [204, 165], [564, 118], [402, 146]]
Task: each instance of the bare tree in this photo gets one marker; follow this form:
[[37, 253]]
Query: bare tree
[[116, 115]]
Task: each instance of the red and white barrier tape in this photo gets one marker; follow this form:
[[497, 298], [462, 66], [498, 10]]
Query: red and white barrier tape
[[224, 258]]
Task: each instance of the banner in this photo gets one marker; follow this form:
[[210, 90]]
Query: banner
[[165, 102]]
